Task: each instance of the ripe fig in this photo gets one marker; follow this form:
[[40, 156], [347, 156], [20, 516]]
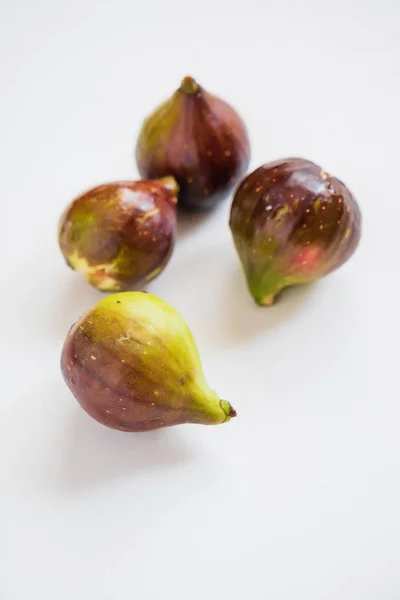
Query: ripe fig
[[200, 140], [121, 234], [132, 364], [292, 223]]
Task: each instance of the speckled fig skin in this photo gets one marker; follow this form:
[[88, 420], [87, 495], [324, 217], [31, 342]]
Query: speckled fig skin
[[120, 235], [200, 140], [292, 223], [132, 364]]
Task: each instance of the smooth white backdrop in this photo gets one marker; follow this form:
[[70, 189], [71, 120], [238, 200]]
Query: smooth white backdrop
[[296, 499]]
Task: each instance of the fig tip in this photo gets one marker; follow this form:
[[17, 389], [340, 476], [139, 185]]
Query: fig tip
[[228, 409], [266, 301], [170, 184], [189, 85]]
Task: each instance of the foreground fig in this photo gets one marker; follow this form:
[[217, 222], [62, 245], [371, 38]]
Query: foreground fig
[[121, 234], [132, 364], [292, 223], [200, 140]]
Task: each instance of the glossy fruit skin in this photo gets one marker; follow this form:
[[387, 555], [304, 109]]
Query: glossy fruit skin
[[200, 140], [121, 234], [292, 223], [132, 364]]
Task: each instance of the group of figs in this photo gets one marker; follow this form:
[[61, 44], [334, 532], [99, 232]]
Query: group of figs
[[131, 361]]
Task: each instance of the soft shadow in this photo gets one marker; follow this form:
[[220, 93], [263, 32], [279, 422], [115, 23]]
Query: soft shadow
[[93, 455], [72, 298], [244, 319], [188, 222], [56, 295], [214, 287]]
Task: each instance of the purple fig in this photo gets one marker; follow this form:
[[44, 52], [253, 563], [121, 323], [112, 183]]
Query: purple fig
[[122, 234], [132, 364], [200, 140], [292, 223]]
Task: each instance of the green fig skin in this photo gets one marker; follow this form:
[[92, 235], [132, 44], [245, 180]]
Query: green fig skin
[[133, 365], [120, 235], [292, 223]]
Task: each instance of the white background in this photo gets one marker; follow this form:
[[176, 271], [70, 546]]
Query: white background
[[296, 499]]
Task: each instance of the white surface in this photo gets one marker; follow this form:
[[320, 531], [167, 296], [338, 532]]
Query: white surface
[[298, 498]]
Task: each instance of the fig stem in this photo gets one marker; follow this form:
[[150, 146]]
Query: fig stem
[[189, 85], [170, 184], [228, 409], [267, 300]]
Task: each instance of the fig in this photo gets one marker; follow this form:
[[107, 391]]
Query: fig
[[200, 140], [132, 364], [120, 235], [291, 224]]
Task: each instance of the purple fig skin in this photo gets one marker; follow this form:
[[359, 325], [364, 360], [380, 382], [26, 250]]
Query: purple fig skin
[[200, 140], [132, 364], [292, 223], [120, 235]]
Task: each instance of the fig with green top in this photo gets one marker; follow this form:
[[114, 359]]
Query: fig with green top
[[133, 365]]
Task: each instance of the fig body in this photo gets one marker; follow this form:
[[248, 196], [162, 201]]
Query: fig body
[[120, 235], [292, 223], [200, 140], [132, 364]]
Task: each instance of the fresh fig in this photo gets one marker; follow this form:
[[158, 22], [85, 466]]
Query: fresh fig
[[132, 364], [121, 234], [200, 140], [292, 223]]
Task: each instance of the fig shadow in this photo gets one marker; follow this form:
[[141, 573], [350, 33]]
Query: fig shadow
[[255, 319], [51, 313], [73, 298], [93, 455], [216, 285], [189, 221]]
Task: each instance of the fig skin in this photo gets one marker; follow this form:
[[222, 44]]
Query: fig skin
[[120, 235], [200, 140], [292, 223], [132, 364]]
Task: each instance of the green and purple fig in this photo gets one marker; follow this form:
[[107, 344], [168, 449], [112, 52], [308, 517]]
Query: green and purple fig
[[200, 140], [120, 235], [292, 223], [132, 364]]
